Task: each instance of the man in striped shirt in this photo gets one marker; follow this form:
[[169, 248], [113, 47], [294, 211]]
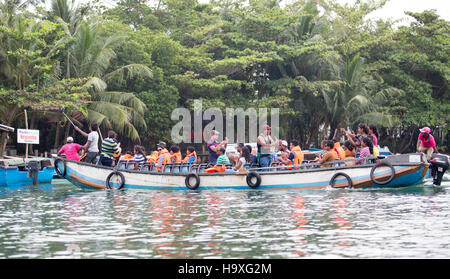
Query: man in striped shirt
[[109, 147]]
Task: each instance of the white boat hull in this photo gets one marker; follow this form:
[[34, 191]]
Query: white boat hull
[[93, 176]]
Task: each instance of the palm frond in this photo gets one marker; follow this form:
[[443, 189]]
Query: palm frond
[[128, 72]]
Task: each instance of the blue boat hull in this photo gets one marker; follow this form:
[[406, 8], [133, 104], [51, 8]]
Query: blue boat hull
[[16, 177]]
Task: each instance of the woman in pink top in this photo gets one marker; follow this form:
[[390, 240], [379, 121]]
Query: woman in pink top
[[426, 143], [71, 150], [374, 133]]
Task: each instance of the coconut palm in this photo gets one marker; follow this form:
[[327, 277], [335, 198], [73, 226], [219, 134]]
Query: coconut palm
[[91, 55], [357, 100]]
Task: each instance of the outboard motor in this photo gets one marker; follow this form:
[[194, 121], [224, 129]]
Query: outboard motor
[[439, 164], [33, 171]]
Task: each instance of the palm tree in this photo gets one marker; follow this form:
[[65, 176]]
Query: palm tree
[[90, 57], [358, 99]]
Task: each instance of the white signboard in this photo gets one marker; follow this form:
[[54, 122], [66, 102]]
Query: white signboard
[[28, 136]]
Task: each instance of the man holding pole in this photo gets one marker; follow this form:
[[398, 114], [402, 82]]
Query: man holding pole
[[91, 145]]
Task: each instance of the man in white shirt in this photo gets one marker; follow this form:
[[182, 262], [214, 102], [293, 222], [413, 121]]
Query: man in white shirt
[[91, 146]]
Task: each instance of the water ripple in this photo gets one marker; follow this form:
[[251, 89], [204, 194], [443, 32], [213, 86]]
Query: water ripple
[[62, 221]]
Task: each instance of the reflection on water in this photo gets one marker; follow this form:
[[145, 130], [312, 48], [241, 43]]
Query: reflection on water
[[63, 221]]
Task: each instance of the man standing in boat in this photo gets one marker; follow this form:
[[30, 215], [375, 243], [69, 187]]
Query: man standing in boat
[[265, 145], [91, 145]]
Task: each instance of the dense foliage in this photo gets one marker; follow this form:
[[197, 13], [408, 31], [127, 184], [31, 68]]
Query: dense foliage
[[323, 64]]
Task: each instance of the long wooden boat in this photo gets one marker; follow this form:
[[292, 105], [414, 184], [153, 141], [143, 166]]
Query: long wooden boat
[[393, 171], [20, 171]]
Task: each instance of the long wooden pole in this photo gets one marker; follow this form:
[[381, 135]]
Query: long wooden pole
[[26, 127]]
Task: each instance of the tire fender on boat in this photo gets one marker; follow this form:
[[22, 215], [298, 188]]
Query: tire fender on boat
[[122, 180], [58, 171], [350, 183], [250, 177], [187, 181], [372, 171]]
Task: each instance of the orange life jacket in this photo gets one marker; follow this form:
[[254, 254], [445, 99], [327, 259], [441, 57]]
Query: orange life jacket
[[176, 157], [216, 168], [126, 157], [298, 158], [339, 150], [186, 159], [166, 159], [154, 157]]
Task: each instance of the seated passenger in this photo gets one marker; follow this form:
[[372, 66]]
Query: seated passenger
[[349, 149], [164, 156], [139, 157], [243, 159], [175, 154], [366, 149], [191, 156], [374, 133], [376, 152], [339, 150], [295, 156], [284, 160], [222, 160], [253, 157], [349, 153], [329, 156], [154, 157]]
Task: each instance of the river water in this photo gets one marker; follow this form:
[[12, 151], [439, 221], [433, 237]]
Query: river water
[[63, 221]]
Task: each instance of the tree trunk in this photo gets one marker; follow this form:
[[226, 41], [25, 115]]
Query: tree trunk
[[57, 136], [9, 119], [333, 128]]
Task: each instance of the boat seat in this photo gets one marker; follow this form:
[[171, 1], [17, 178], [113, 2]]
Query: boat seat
[[184, 168]]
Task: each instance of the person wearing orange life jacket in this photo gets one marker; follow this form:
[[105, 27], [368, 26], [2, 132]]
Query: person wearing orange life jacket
[[164, 156], [153, 157], [191, 156], [175, 154], [295, 156], [338, 149]]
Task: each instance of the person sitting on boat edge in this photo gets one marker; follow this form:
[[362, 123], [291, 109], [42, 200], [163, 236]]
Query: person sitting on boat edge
[[91, 145], [191, 156], [139, 157], [175, 154], [213, 146], [70, 149], [164, 156], [109, 147], [330, 156], [426, 142]]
